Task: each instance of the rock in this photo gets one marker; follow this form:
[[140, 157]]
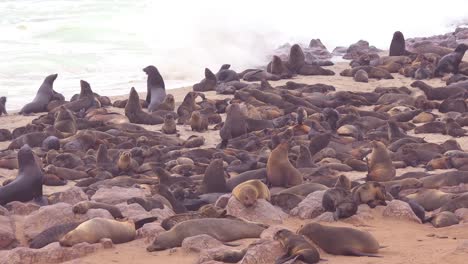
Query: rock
[[400, 210], [209, 254], [48, 216], [52, 253], [19, 208], [270, 232], [136, 212], [93, 213], [462, 215], [223, 200], [199, 243], [325, 217], [462, 247], [70, 196], [310, 207], [361, 76], [359, 48], [116, 195], [162, 213], [7, 235], [264, 252], [4, 211], [106, 243], [150, 231], [261, 211]]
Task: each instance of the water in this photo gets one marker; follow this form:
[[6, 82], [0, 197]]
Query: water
[[108, 43]]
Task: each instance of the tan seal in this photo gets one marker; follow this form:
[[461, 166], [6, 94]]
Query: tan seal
[[380, 166], [280, 171], [198, 122], [169, 126], [297, 248], [250, 191]]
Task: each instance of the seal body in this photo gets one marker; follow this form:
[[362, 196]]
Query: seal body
[[296, 247], [341, 240], [156, 92], [98, 228], [380, 164], [42, 98], [397, 46], [3, 100], [280, 171], [28, 183], [450, 62], [250, 191]]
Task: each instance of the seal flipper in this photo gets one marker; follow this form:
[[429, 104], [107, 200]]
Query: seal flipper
[[285, 258], [355, 252], [140, 223]]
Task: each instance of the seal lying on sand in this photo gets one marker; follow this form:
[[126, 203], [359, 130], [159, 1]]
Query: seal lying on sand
[[28, 183], [224, 230]]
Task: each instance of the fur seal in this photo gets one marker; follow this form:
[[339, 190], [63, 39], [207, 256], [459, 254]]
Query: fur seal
[[52, 234], [444, 219], [431, 199], [361, 76], [86, 100], [224, 230], [250, 191], [397, 46], [149, 203], [84, 206], [28, 184], [135, 113], [3, 100], [214, 180], [339, 199], [156, 91], [296, 247], [341, 240], [98, 228], [125, 162], [198, 122], [206, 211], [456, 203], [370, 193], [168, 104], [65, 121], [380, 166], [43, 96], [234, 125], [169, 126], [184, 111], [450, 62], [207, 84], [280, 171]]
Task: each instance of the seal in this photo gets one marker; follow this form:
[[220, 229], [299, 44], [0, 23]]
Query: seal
[[168, 104], [234, 125], [43, 96], [444, 219], [65, 121], [84, 206], [341, 240], [206, 211], [52, 234], [296, 247], [370, 193], [361, 76], [280, 171], [135, 114], [148, 203], [450, 62], [456, 203], [305, 189], [98, 228], [397, 46], [156, 90], [224, 230], [184, 111], [198, 122], [250, 191], [3, 100], [126, 163], [214, 180], [339, 199], [431, 199], [169, 126], [28, 184], [380, 166], [304, 160], [286, 201], [86, 100], [208, 83]]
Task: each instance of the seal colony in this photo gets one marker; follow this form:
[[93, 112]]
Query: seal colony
[[242, 154]]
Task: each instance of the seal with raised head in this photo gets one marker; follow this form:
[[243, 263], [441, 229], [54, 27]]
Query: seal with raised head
[[28, 184], [380, 166], [98, 228], [198, 122], [235, 123], [125, 162], [224, 230], [3, 100], [297, 248], [280, 171], [135, 113], [168, 104], [65, 121], [370, 193], [169, 126], [341, 240], [214, 180], [156, 90], [43, 96], [207, 84], [250, 191], [86, 100], [450, 62]]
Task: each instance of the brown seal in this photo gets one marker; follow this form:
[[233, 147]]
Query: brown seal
[[214, 180], [397, 46], [65, 121], [156, 90], [431, 199], [86, 99], [168, 104], [98, 228], [286, 201], [339, 199], [3, 100], [450, 62], [341, 240], [370, 193], [184, 111], [28, 184], [361, 76], [208, 83], [380, 166], [235, 123], [126, 163], [44, 95], [305, 189], [52, 234], [198, 122], [206, 211], [280, 171], [250, 191], [169, 126], [135, 114], [84, 206], [296, 247], [456, 203], [149, 203], [444, 219], [224, 230]]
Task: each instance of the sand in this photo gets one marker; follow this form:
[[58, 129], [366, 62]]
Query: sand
[[405, 242]]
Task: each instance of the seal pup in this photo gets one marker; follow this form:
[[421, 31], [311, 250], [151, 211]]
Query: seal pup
[[198, 122], [280, 171], [156, 90], [250, 191], [380, 166], [450, 62], [28, 184], [135, 113], [296, 247], [370, 193], [341, 240], [169, 126], [168, 104], [98, 228], [224, 230], [3, 100], [43, 96], [207, 84]]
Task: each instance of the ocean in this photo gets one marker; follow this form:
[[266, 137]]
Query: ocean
[[109, 42]]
